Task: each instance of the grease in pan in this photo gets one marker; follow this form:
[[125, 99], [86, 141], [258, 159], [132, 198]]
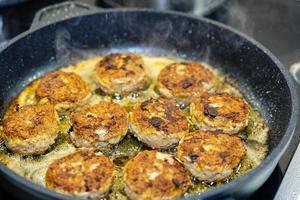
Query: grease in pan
[[251, 133]]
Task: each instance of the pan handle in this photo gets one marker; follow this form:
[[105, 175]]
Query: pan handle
[[61, 11]]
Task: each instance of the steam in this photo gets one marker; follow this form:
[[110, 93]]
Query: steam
[[62, 44], [239, 19], [162, 30], [205, 57], [65, 51], [157, 36]]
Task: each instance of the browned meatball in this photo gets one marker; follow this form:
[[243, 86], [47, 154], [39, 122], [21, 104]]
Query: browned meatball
[[159, 123], [64, 89], [99, 125], [155, 175], [82, 173], [182, 81], [31, 129], [220, 111], [121, 73], [210, 156]]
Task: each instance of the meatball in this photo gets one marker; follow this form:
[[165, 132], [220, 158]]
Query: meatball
[[82, 173], [155, 175], [121, 73], [158, 123], [210, 156], [99, 126], [65, 90], [31, 129], [182, 81], [220, 111]]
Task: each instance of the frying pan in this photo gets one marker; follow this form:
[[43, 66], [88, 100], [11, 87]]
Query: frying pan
[[51, 43]]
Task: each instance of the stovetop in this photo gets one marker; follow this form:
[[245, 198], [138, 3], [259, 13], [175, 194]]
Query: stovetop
[[274, 23]]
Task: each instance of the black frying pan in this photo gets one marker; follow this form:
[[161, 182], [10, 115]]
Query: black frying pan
[[261, 77]]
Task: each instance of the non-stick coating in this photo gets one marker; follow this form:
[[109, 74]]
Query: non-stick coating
[[258, 74]]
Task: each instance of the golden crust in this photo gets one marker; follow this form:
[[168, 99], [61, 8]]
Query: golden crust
[[99, 125], [81, 172], [220, 111], [65, 88], [182, 81], [155, 175], [31, 129], [158, 122], [121, 73], [210, 156]]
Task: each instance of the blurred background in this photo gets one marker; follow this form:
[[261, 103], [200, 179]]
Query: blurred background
[[274, 23]]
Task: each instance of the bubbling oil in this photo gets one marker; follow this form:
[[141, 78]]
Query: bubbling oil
[[34, 167]]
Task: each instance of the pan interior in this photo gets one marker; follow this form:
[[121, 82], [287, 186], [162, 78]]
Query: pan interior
[[34, 168]]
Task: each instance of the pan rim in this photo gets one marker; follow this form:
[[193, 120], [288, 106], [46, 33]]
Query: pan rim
[[216, 192]]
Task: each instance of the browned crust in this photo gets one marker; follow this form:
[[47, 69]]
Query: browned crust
[[211, 151], [61, 87], [79, 172], [118, 70], [107, 116], [220, 110], [185, 79], [171, 181], [159, 116], [31, 121]]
